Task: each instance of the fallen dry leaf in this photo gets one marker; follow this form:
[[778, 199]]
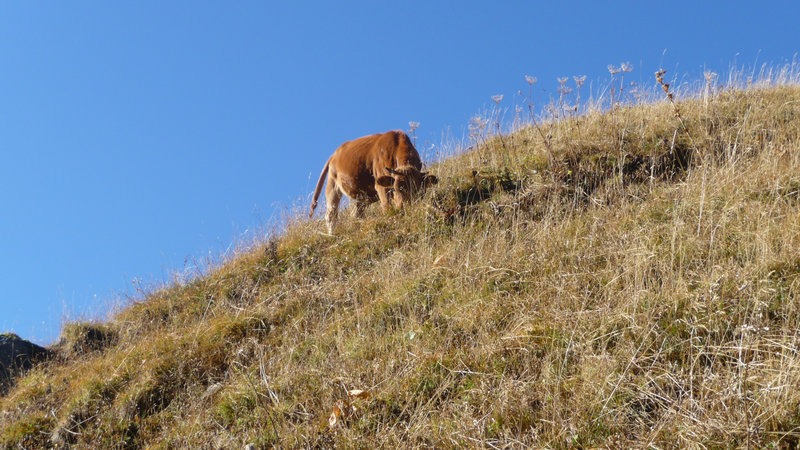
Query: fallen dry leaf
[[343, 409], [358, 393], [338, 409]]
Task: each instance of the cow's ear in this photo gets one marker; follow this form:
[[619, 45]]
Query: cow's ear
[[430, 180], [385, 181]]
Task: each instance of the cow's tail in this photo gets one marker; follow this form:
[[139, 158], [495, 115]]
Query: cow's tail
[[318, 190]]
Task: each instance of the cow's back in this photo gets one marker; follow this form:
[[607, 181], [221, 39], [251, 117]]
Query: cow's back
[[375, 152]]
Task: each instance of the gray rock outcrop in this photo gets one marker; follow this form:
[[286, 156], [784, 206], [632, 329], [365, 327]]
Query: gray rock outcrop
[[16, 356]]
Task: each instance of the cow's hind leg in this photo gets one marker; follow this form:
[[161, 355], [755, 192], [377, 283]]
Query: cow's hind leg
[[333, 195]]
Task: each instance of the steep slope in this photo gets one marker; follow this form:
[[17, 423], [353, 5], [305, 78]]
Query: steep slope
[[619, 278]]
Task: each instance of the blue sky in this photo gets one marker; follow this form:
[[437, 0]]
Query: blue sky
[[136, 137]]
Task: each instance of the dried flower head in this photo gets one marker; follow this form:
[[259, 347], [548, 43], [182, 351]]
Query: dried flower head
[[626, 67], [660, 76], [613, 70], [664, 85], [413, 125], [579, 80], [531, 80], [562, 80], [710, 76], [478, 122], [497, 98]]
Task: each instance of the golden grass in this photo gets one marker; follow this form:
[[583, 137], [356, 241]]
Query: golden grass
[[618, 278]]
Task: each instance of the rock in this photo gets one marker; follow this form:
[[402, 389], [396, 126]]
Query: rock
[[16, 356]]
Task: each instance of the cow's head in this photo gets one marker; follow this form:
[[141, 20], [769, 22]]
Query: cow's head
[[406, 183]]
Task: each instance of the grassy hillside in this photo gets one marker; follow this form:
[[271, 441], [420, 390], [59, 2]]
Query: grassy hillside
[[618, 278]]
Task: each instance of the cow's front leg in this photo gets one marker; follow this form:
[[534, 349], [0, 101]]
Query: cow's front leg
[[358, 208], [384, 196]]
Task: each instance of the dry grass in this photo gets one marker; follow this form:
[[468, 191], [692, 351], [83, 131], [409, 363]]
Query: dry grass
[[626, 277]]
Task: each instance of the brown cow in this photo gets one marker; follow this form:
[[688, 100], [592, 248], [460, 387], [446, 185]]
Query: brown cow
[[383, 167]]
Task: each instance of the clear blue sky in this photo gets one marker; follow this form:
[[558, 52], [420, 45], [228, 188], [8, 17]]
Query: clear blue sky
[[136, 134]]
